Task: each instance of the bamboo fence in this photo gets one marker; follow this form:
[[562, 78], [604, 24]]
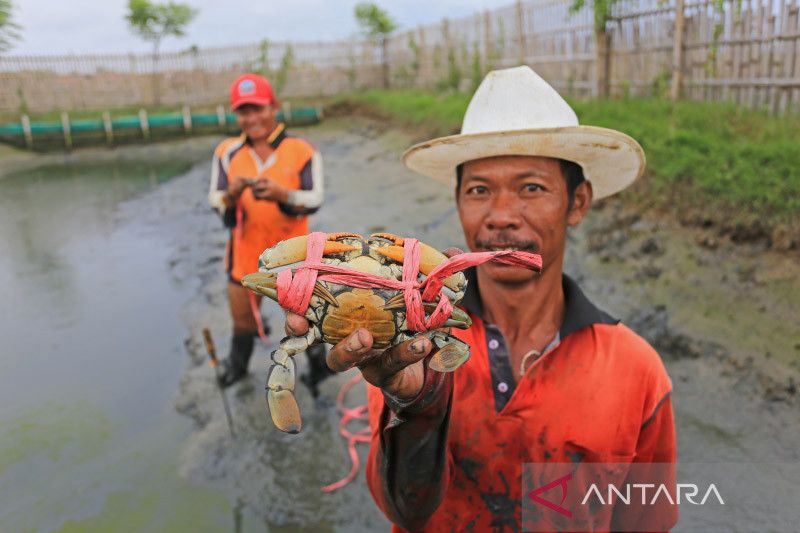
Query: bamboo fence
[[745, 51]]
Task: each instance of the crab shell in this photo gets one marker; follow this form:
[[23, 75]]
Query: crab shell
[[337, 309]]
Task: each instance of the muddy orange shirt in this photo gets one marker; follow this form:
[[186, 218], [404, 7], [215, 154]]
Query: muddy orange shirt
[[449, 461], [258, 224]]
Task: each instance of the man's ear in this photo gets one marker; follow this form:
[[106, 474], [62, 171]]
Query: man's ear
[[581, 201]]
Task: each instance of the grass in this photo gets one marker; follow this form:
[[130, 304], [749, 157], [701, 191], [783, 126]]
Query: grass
[[712, 155]]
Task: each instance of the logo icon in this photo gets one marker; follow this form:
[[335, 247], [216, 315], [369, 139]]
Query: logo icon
[[247, 87], [534, 495]]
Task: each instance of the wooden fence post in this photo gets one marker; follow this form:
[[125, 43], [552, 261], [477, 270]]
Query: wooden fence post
[[677, 53], [26, 130], [423, 77], [222, 120], [384, 42], [488, 42], [65, 127], [523, 51], [287, 112], [144, 124], [187, 120], [602, 39], [108, 126]]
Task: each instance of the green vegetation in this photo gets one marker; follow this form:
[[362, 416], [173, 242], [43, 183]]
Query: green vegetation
[[436, 114], [8, 28], [731, 162], [63, 432], [152, 22], [377, 24], [373, 20]]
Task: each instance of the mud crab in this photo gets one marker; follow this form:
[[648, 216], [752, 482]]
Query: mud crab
[[336, 310]]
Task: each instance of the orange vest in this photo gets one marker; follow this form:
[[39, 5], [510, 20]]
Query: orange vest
[[262, 223], [600, 395]]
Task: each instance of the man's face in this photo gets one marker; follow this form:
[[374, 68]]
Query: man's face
[[256, 121], [518, 202]]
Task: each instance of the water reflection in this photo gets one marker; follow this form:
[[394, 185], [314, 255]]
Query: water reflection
[[90, 318]]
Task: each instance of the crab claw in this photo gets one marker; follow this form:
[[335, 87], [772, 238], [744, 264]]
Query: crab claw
[[429, 258], [264, 283], [293, 251], [280, 394], [458, 319], [451, 353]]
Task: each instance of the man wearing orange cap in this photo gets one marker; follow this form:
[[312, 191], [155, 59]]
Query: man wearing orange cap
[[264, 184]]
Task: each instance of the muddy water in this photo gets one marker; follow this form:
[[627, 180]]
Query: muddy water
[[733, 402], [94, 414], [92, 350]]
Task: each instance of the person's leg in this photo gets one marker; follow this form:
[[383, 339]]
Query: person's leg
[[317, 368], [234, 368]]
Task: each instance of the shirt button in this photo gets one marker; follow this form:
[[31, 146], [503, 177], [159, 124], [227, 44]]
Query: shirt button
[[502, 387], [493, 344]]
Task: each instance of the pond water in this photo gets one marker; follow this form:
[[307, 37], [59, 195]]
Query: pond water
[[92, 349]]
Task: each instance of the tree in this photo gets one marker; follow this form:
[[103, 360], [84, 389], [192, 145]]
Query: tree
[[377, 24], [8, 28], [602, 14], [152, 22]]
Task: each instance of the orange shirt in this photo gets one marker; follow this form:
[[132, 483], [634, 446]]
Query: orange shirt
[[600, 395], [258, 224]]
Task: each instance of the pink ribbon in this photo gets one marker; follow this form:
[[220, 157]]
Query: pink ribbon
[[296, 287]]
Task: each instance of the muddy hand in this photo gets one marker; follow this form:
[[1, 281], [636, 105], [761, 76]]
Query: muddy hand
[[398, 370], [265, 189]]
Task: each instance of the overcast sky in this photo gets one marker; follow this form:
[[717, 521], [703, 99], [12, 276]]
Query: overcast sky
[[98, 26]]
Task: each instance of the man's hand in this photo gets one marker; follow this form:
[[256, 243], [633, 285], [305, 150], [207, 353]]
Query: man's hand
[[266, 189], [235, 188], [399, 370]]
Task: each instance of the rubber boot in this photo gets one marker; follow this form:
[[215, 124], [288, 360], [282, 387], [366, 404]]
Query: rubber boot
[[234, 368], [318, 369]]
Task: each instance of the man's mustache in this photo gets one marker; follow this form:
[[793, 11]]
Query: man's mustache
[[500, 241]]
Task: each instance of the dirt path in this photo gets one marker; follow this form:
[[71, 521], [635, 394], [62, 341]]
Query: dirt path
[[724, 320]]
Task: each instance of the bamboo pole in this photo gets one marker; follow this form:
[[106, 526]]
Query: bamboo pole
[[26, 130], [108, 126], [65, 127], [144, 124], [677, 53], [187, 120], [221, 118], [602, 62], [520, 18]]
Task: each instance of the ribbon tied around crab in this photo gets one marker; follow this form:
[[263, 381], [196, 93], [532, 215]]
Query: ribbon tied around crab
[[296, 287]]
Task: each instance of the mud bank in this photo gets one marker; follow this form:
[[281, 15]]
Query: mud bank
[[724, 319]]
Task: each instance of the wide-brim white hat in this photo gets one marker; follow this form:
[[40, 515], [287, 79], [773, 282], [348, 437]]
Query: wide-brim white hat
[[515, 112]]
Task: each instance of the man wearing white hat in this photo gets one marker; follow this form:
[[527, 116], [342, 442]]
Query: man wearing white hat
[[552, 378]]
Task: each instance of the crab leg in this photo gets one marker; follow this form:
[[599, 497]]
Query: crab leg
[[281, 381], [451, 353]]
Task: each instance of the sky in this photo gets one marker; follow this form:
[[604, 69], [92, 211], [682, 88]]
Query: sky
[[98, 26]]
